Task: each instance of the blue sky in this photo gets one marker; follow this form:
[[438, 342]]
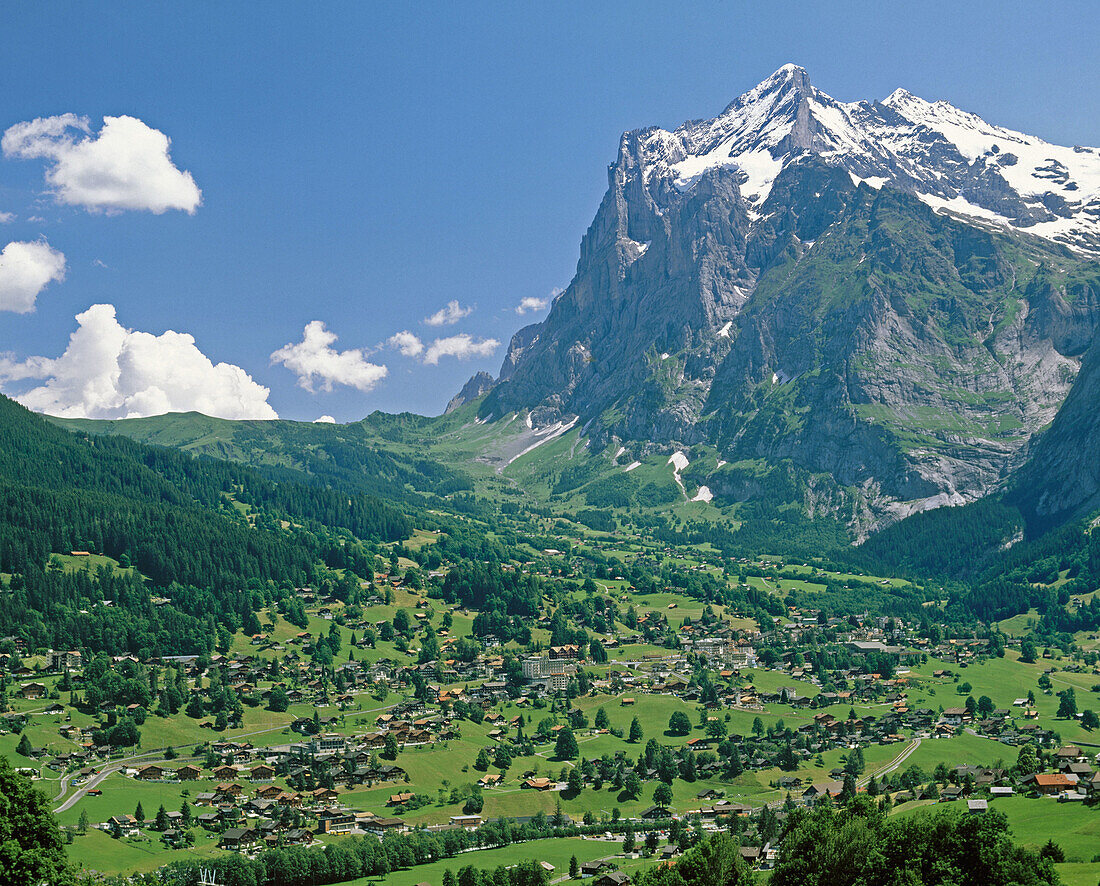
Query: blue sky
[[363, 165]]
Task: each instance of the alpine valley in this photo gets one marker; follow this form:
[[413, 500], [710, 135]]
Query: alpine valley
[[774, 537], [853, 312]]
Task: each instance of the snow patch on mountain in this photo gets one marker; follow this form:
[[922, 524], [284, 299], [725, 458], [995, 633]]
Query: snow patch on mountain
[[679, 461], [550, 432], [950, 158]]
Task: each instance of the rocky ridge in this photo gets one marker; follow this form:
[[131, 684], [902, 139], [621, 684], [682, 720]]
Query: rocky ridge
[[890, 296]]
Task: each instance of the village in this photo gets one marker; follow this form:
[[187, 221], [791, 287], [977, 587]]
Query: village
[[683, 723]]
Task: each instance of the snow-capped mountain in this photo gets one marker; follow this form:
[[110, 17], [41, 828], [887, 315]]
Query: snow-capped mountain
[[895, 295], [951, 159]]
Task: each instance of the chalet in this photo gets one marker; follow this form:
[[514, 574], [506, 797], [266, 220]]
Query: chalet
[[32, 690], [263, 772], [1051, 782], [187, 772], [260, 806], [611, 878], [296, 836], [384, 773], [382, 826], [400, 799], [150, 772], [467, 822], [815, 791], [126, 825], [229, 789], [538, 784], [1082, 770], [237, 838], [591, 868]]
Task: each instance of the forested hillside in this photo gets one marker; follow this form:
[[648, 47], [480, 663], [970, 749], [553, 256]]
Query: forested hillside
[[341, 456], [208, 535]]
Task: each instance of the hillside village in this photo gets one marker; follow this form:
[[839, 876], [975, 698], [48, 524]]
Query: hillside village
[[758, 718]]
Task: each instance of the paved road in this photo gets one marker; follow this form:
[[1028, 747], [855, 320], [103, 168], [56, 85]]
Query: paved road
[[114, 767], [897, 761], [63, 786]]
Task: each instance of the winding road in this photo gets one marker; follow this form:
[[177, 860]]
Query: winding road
[[896, 763]]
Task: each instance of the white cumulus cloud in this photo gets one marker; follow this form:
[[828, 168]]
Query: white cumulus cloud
[[324, 420], [531, 304], [25, 270], [407, 343], [449, 314], [108, 371], [314, 361], [463, 346], [126, 165], [6, 217]]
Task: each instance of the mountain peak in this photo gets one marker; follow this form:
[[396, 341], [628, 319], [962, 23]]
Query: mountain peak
[[789, 73], [951, 159]]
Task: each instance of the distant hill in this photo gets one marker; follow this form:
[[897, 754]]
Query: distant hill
[[179, 519]]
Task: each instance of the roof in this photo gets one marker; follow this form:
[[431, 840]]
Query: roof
[[1052, 780]]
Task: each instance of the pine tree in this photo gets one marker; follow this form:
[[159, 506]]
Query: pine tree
[[389, 747], [574, 869], [635, 730], [574, 782], [662, 795], [139, 812], [1067, 707], [566, 746], [848, 792]]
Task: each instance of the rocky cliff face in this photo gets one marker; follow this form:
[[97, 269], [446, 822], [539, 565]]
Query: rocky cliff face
[[479, 383], [1062, 479], [895, 294]]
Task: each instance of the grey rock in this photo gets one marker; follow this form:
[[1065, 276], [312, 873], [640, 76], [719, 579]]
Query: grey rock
[[737, 287], [479, 383]]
